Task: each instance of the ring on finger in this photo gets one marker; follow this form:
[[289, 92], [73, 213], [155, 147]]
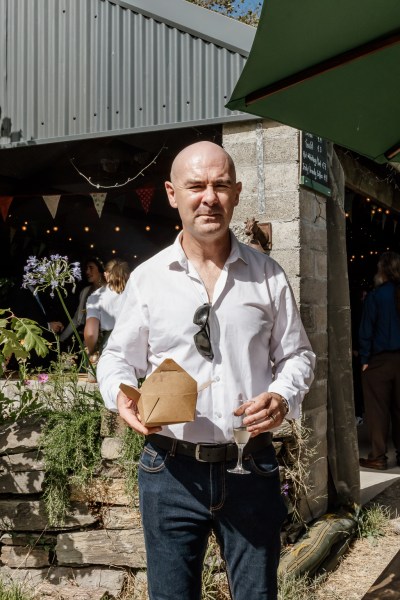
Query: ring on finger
[[273, 417]]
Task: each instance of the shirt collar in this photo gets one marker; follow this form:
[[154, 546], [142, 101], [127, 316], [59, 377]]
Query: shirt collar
[[177, 255]]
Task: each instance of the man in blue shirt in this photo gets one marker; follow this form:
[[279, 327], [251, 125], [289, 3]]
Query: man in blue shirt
[[380, 360]]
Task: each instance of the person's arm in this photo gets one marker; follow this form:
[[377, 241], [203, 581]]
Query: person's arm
[[125, 358], [91, 333], [291, 354]]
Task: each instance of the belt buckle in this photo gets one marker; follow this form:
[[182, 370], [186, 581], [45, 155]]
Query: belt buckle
[[197, 453]]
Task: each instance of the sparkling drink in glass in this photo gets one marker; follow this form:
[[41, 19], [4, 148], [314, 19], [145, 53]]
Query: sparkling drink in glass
[[241, 437]]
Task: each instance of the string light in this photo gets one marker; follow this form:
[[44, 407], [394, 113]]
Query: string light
[[91, 245], [113, 251], [147, 228], [48, 231], [55, 228], [117, 228], [24, 228], [116, 185], [86, 229], [177, 227]]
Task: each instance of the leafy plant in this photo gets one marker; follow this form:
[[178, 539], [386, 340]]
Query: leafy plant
[[18, 337], [297, 587], [14, 591], [71, 447], [132, 445], [214, 585], [373, 521]]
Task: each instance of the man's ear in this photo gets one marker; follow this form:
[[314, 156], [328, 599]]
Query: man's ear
[[169, 188], [238, 191]]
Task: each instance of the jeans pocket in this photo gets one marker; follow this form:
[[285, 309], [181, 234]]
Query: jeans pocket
[[264, 462], [153, 459]]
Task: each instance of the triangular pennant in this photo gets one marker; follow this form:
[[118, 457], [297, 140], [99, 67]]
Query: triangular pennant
[[98, 201], [146, 197], [5, 202], [52, 204]]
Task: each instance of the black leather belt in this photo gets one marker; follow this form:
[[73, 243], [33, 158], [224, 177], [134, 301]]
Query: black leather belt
[[209, 452]]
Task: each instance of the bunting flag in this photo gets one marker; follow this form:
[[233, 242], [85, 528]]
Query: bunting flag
[[52, 204], [146, 195], [5, 202], [98, 201]]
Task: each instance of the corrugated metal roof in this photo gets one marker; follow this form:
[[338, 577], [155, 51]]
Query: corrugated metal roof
[[79, 68]]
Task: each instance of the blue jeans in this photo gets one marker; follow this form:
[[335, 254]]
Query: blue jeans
[[182, 501]]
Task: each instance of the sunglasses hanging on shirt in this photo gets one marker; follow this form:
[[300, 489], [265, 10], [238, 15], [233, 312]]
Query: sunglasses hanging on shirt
[[202, 338]]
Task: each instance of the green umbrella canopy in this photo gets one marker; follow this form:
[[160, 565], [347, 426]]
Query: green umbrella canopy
[[329, 67]]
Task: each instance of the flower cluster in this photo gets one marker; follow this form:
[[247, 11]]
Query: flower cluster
[[54, 273]]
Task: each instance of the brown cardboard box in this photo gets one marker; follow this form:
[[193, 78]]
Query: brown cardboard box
[[167, 396]]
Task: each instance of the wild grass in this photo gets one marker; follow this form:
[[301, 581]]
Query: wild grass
[[14, 591], [373, 521]]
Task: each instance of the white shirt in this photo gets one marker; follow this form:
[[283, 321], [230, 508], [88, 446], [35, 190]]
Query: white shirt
[[254, 320], [104, 304]]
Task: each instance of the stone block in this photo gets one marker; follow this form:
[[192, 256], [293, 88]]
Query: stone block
[[20, 436], [281, 177], [30, 482], [313, 208], [27, 461], [118, 548], [111, 424], [27, 539], [282, 206], [85, 577], [308, 317], [140, 589], [289, 260], [285, 235], [103, 491], [313, 291], [321, 317], [312, 237], [69, 591], [22, 515], [237, 133], [317, 396], [118, 517], [17, 557], [111, 448], [319, 343], [281, 149]]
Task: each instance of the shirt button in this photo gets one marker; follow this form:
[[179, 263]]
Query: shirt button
[[218, 415], [217, 378]]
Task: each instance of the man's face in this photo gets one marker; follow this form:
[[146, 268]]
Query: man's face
[[205, 191]]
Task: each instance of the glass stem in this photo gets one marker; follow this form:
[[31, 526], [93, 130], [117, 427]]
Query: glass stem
[[240, 455]]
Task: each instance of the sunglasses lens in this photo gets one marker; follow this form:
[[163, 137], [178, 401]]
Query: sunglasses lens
[[202, 337], [203, 345], [201, 315]]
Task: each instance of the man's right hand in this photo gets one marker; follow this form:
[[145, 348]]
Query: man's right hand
[[127, 410]]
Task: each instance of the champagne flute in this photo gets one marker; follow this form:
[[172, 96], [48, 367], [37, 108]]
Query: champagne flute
[[241, 437]]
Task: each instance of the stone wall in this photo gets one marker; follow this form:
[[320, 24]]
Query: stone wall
[[267, 160], [100, 548]]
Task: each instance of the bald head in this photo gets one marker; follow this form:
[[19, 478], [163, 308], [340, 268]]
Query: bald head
[[199, 154]]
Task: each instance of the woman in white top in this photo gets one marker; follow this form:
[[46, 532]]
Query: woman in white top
[[103, 306], [94, 271]]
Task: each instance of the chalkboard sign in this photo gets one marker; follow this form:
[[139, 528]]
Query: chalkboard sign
[[314, 164]]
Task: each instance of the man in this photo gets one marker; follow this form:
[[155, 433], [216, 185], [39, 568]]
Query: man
[[246, 317], [380, 360]]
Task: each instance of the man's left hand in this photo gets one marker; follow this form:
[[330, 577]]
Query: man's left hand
[[265, 412]]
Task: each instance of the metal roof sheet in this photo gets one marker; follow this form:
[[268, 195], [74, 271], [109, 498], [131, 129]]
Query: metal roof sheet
[[72, 69]]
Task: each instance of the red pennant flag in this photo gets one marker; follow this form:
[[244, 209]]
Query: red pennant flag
[[5, 202], [146, 195]]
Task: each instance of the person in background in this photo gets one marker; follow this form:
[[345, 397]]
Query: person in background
[[225, 313], [103, 306], [380, 359], [94, 271]]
